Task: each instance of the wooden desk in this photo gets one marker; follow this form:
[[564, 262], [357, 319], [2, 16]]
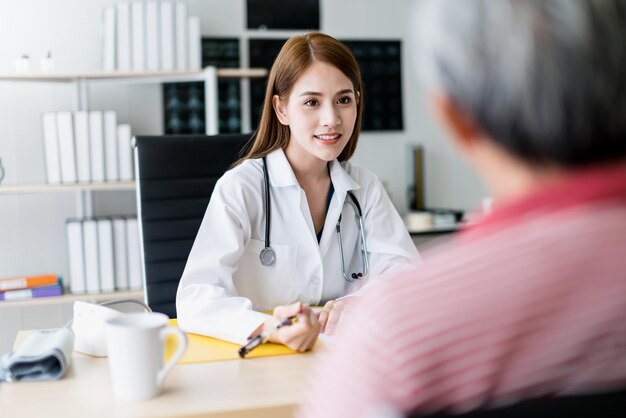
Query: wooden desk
[[263, 387]]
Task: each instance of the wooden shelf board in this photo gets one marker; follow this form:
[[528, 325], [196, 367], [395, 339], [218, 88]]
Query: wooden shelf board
[[241, 72], [89, 297], [129, 76], [39, 188]]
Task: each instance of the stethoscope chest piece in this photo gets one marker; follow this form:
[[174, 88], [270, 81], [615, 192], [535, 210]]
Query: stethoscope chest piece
[[267, 256]]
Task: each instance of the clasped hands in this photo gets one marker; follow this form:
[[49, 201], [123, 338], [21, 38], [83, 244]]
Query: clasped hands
[[302, 335]]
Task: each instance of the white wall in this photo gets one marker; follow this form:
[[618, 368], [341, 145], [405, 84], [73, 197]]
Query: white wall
[[32, 238]]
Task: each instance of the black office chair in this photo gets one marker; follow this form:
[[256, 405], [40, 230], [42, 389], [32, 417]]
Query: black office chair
[[176, 175], [601, 405]]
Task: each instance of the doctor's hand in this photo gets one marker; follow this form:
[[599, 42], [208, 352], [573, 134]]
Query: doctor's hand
[[329, 316], [300, 336]]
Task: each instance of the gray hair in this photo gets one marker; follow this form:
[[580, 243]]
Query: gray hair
[[544, 78]]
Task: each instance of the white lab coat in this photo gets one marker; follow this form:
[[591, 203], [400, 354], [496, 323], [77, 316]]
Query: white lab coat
[[224, 285]]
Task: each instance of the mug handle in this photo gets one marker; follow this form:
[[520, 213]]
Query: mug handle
[[180, 350]]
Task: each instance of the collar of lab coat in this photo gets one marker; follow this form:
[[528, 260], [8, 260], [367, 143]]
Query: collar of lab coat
[[281, 174]]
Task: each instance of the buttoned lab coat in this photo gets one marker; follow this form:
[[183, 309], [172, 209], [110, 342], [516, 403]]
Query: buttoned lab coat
[[224, 284]]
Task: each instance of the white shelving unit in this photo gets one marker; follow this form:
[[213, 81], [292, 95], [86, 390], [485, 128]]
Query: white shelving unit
[[146, 76], [52, 311], [81, 82], [54, 188]]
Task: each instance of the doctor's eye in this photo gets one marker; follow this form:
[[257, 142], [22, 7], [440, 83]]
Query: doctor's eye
[[345, 100], [311, 102]]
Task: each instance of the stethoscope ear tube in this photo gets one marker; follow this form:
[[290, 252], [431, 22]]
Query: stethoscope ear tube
[[364, 254], [358, 214], [267, 255]]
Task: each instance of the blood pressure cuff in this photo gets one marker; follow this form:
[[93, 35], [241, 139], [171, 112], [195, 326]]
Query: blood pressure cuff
[[44, 355]]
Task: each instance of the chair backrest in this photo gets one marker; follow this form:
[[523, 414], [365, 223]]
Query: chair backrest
[[599, 405], [175, 176]]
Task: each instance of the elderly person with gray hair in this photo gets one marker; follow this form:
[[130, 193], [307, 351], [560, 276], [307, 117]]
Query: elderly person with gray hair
[[530, 300]]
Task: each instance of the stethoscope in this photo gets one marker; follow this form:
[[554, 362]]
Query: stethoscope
[[268, 256]]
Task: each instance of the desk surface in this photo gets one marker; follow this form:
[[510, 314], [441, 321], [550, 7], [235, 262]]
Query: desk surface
[[261, 387]]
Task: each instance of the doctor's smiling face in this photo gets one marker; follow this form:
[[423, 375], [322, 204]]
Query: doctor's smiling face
[[312, 107], [321, 111]]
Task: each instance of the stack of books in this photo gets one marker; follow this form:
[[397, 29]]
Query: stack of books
[[151, 36], [29, 287], [87, 147], [104, 254]]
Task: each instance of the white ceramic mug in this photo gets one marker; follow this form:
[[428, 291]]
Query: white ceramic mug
[[135, 344]]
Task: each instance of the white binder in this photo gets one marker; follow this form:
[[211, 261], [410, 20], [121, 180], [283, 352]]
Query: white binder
[[81, 139], [153, 57], [74, 228], [139, 33], [111, 172], [123, 40], [96, 135], [120, 249], [105, 255], [135, 280], [125, 152], [195, 38], [51, 147], [67, 151], [167, 36], [181, 36], [108, 49], [92, 267]]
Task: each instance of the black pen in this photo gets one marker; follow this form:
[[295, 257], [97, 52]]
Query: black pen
[[264, 336]]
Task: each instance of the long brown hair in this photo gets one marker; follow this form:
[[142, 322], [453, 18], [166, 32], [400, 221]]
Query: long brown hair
[[294, 58]]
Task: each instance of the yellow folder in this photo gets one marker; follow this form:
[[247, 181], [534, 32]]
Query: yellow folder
[[202, 349]]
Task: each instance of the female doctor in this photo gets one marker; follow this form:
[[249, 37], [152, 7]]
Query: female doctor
[[293, 223]]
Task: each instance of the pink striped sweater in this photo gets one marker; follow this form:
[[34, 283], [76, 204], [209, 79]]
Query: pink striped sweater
[[530, 301]]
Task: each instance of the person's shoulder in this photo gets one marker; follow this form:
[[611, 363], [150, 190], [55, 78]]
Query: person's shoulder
[[241, 183], [247, 174]]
